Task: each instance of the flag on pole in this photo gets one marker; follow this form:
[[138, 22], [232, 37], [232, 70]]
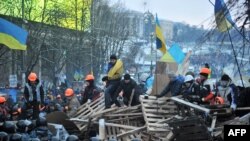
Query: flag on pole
[[222, 16], [12, 35], [160, 41], [167, 58]]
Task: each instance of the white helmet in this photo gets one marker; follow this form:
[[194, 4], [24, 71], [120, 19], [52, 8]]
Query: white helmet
[[188, 78]]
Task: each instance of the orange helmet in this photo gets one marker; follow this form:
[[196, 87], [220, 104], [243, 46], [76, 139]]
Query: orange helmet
[[2, 100], [205, 71], [32, 77], [69, 92], [219, 100], [89, 77]]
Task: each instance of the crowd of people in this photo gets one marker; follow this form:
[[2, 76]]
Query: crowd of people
[[201, 90]]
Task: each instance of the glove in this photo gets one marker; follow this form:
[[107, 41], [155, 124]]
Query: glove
[[233, 106], [89, 101]]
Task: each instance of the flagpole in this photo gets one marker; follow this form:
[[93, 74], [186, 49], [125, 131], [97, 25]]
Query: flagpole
[[234, 27], [224, 14]]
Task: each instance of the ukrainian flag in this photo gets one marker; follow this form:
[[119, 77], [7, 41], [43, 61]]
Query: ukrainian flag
[[160, 41], [222, 16], [12, 36]]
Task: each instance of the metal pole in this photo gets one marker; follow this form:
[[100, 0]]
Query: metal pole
[[151, 56], [197, 107], [23, 53], [40, 66], [91, 60]]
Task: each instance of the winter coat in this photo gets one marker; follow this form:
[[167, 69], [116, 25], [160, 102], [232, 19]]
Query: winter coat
[[73, 105], [90, 93], [4, 113], [173, 86], [229, 94], [34, 92], [115, 73], [127, 89]]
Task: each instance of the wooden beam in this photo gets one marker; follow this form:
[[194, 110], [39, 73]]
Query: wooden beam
[[131, 132]]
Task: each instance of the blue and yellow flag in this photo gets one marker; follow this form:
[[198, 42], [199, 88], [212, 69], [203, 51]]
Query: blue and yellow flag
[[222, 16], [160, 41], [12, 36], [177, 53]]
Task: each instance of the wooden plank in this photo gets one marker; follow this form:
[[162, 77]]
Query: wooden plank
[[121, 115], [131, 132], [123, 119]]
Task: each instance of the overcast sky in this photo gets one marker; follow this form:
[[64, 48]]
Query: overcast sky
[[193, 12]]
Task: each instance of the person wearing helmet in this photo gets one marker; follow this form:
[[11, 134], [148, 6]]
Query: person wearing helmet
[[210, 71], [4, 110], [227, 90], [205, 89], [16, 112], [115, 71], [3, 136], [34, 94], [72, 102], [9, 127], [91, 91], [174, 85], [15, 137]]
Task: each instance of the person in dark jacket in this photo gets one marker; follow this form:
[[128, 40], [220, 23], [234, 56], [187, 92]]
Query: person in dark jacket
[[190, 89], [228, 91], [34, 94], [126, 90], [72, 102], [91, 91], [4, 110], [174, 86]]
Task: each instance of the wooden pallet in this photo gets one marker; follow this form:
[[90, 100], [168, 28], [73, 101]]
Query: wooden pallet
[[87, 110], [156, 112], [189, 129]]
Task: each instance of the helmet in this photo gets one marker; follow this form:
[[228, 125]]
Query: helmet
[[72, 138], [3, 136], [54, 139], [90, 77], [16, 110], [2, 99], [219, 100], [58, 96], [9, 127], [205, 71], [34, 139], [41, 121], [188, 78], [16, 137], [32, 76], [69, 92], [21, 126]]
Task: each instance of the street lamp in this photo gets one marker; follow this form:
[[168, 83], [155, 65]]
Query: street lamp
[[149, 31]]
